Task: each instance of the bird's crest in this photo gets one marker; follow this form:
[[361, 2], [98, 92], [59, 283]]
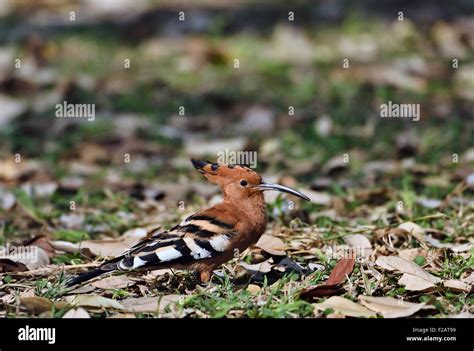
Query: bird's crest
[[219, 173]]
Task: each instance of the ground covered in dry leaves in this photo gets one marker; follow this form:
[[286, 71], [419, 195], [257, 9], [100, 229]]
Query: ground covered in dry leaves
[[413, 260], [389, 230]]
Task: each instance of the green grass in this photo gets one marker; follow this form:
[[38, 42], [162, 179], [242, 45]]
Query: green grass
[[272, 302]]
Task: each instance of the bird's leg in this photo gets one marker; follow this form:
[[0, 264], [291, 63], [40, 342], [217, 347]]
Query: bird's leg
[[205, 275]]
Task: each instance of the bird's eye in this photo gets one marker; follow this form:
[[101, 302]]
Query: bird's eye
[[243, 183]]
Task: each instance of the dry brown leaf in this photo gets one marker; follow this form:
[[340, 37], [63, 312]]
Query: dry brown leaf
[[30, 292], [317, 197], [253, 289], [11, 170], [453, 247], [33, 257], [414, 277], [398, 263], [69, 247], [262, 267], [333, 285], [7, 265], [272, 245], [469, 279], [414, 229], [141, 304], [105, 248], [345, 307], [457, 285], [43, 242], [113, 282], [77, 313], [360, 243], [36, 305], [395, 237], [8, 298], [321, 290], [390, 307], [94, 301], [414, 283], [342, 269], [149, 304], [411, 254]]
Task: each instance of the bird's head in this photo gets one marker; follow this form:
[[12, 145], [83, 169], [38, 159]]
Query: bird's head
[[239, 182]]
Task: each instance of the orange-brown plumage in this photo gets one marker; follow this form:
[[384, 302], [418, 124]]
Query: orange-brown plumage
[[205, 240]]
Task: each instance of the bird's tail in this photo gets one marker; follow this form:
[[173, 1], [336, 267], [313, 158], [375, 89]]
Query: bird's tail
[[86, 276]]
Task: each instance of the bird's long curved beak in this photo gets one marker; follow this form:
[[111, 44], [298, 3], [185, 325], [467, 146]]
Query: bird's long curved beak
[[272, 186]]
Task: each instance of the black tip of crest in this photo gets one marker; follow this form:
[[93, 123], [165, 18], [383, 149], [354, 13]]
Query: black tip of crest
[[198, 164]]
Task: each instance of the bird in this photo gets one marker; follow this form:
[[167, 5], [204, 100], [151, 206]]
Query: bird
[[206, 239]]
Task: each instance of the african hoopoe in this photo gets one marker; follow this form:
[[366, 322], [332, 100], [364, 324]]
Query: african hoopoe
[[206, 239]]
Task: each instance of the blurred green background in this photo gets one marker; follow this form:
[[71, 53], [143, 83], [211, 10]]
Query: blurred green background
[[401, 51]]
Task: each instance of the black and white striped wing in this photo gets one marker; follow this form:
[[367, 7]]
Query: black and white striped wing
[[198, 237]]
